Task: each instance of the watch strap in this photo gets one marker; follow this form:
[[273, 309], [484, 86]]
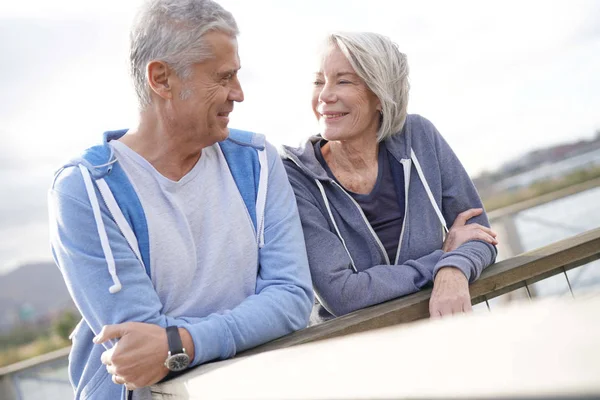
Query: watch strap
[[174, 339]]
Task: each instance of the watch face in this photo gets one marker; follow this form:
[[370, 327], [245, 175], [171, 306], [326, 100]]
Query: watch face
[[178, 362]]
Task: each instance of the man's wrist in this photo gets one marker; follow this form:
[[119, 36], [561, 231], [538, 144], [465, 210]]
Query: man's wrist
[[188, 343]]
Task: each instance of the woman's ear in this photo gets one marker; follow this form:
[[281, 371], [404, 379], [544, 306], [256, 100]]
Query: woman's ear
[[158, 74]]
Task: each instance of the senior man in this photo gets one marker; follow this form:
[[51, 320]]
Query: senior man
[[179, 239]]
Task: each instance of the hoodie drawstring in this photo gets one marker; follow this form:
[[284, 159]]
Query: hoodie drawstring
[[126, 230], [322, 189], [108, 255], [118, 217], [413, 156], [425, 185], [261, 197]]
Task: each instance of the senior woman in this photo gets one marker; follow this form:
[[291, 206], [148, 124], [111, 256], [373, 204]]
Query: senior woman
[[378, 188]]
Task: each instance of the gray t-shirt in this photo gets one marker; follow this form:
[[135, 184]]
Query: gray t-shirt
[[203, 249], [381, 207]]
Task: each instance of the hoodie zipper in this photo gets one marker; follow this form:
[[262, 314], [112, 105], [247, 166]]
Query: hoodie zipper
[[387, 259], [406, 167], [362, 214]]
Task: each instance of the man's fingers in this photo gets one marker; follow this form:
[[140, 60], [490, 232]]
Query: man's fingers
[[106, 357], [109, 332], [119, 380], [463, 217]]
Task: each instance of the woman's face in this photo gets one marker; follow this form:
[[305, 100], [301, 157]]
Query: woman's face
[[343, 104]]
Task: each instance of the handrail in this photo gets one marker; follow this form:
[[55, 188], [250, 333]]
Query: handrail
[[496, 280], [543, 199], [35, 361]]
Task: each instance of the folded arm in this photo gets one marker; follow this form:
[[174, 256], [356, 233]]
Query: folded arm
[[339, 288], [283, 296]]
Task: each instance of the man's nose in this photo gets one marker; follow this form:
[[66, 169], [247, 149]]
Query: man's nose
[[236, 93]]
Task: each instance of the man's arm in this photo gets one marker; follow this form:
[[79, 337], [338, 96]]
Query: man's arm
[[283, 298]]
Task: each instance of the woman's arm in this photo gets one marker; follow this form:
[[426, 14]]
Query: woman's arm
[[339, 288]]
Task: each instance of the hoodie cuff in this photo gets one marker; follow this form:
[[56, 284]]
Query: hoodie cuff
[[457, 261]]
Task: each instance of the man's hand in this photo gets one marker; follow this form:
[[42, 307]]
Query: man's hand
[[450, 293], [461, 232], [137, 360]]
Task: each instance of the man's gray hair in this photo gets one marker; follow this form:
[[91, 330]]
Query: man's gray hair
[[384, 69], [172, 31]]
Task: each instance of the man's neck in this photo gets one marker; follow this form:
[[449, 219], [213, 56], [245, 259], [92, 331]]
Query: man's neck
[[160, 144]]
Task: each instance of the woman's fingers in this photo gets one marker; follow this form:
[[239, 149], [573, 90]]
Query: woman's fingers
[[481, 235], [487, 230], [463, 217]]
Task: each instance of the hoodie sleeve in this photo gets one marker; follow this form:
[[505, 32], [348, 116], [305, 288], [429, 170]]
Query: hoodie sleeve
[[284, 295], [338, 287], [283, 298], [459, 194]]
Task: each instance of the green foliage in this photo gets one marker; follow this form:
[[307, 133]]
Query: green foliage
[[499, 200], [65, 324], [31, 340], [21, 335]]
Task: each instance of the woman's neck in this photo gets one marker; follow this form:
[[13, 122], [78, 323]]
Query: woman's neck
[[354, 163]]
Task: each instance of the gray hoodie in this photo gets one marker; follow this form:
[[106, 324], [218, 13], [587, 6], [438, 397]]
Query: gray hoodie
[[349, 265]]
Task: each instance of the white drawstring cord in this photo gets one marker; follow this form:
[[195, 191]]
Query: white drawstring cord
[[322, 189], [261, 197], [108, 255], [428, 190]]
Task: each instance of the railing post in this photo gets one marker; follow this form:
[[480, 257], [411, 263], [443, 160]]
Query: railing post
[[7, 388]]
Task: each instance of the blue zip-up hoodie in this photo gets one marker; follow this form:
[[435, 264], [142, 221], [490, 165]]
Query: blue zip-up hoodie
[[99, 239], [349, 265]]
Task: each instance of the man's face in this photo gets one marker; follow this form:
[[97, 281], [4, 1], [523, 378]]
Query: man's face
[[202, 102]]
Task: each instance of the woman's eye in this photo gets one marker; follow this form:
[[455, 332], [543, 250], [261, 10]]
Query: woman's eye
[[344, 82], [317, 83]]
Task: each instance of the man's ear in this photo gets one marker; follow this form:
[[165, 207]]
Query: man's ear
[[159, 74]]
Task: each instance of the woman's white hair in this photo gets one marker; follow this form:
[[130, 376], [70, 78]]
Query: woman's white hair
[[384, 69], [172, 31]]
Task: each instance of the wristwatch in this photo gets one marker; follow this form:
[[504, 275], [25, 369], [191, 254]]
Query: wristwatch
[[177, 360]]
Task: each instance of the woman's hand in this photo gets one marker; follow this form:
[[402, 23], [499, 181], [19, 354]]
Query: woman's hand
[[461, 232], [450, 293]]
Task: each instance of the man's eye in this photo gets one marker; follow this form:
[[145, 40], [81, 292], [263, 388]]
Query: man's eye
[[345, 82], [317, 83]]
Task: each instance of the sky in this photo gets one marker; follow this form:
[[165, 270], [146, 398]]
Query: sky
[[497, 78]]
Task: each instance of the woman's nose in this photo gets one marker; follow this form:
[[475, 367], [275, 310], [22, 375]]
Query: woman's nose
[[327, 94]]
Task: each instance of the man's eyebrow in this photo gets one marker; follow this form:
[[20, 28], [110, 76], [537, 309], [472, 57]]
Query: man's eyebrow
[[231, 71]]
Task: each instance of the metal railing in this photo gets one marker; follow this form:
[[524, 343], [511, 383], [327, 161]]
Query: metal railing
[[504, 277], [574, 376], [496, 280]]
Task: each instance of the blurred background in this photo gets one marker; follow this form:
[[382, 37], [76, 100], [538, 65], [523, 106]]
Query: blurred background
[[513, 86]]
